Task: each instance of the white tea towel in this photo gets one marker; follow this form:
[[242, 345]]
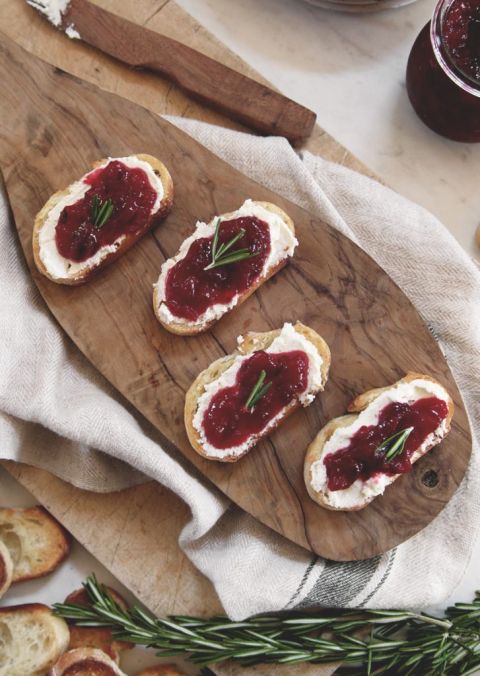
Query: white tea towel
[[58, 413]]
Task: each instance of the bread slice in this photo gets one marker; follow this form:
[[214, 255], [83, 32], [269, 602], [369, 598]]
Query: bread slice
[[193, 328], [251, 342], [85, 662], [32, 639], [96, 637], [6, 569], [161, 670], [129, 239], [315, 451], [36, 541]]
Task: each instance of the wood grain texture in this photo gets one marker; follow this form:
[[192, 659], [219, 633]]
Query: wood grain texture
[[55, 126], [254, 104]]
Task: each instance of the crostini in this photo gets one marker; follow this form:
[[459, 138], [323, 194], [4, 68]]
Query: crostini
[[32, 639], [221, 264], [355, 457], [96, 219], [36, 541], [6, 569], [85, 662], [244, 396]]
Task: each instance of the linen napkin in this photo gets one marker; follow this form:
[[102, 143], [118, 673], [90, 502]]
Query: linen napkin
[[58, 413]]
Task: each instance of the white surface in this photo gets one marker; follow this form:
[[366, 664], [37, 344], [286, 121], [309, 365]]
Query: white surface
[[69, 576], [350, 69]]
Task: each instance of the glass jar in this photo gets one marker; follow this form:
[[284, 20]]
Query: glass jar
[[443, 71]]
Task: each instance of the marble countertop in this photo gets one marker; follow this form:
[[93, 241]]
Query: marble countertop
[[350, 69]]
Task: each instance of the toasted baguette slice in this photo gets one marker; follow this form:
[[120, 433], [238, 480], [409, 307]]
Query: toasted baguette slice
[[36, 541], [31, 639], [161, 670], [186, 328], [79, 276], [361, 493], [6, 569], [251, 342], [96, 637], [85, 662]]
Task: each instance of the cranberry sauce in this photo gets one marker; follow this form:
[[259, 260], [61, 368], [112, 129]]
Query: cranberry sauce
[[461, 34], [190, 289], [443, 84], [132, 196], [359, 460], [228, 422]]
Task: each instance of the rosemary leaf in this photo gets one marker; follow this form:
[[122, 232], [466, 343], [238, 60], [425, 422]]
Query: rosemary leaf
[[394, 445], [369, 642], [219, 253], [259, 389], [101, 211]]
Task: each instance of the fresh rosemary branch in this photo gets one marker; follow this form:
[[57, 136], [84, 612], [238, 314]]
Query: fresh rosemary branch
[[258, 390], [394, 445], [374, 641], [220, 255], [101, 211]]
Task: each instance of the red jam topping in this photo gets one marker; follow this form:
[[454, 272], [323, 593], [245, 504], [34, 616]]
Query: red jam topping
[[461, 33], [133, 198], [359, 460], [190, 289], [228, 422]]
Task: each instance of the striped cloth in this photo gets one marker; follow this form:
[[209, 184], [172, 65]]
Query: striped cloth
[[48, 394]]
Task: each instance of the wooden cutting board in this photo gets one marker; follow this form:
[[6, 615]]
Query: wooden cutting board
[[54, 127]]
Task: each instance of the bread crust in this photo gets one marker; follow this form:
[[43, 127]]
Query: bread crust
[[85, 662], [129, 240], [194, 329], [252, 342], [315, 450], [6, 569], [36, 541]]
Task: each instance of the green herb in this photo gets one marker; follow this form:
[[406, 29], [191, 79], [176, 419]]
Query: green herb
[[394, 445], [258, 391], [371, 641], [220, 255], [101, 211]]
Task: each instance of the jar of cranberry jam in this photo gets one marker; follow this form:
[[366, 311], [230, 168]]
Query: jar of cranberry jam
[[443, 71]]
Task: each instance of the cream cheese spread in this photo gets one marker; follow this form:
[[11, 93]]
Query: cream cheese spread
[[288, 340], [282, 245], [60, 267], [361, 491]]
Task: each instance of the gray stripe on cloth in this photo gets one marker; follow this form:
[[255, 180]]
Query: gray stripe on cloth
[[384, 577], [303, 581], [339, 582]]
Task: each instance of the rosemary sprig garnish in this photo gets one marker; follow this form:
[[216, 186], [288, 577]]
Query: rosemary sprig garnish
[[220, 255], [101, 211], [372, 641], [258, 390], [394, 445]]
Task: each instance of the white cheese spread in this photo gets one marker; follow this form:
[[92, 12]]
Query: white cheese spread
[[60, 267], [282, 245], [288, 340], [361, 491]]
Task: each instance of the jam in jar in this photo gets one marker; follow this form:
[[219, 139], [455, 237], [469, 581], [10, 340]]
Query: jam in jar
[[443, 71]]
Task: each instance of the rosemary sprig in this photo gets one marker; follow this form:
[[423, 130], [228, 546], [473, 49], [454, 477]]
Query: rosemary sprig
[[101, 211], [220, 255], [394, 445], [258, 390], [372, 641]]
